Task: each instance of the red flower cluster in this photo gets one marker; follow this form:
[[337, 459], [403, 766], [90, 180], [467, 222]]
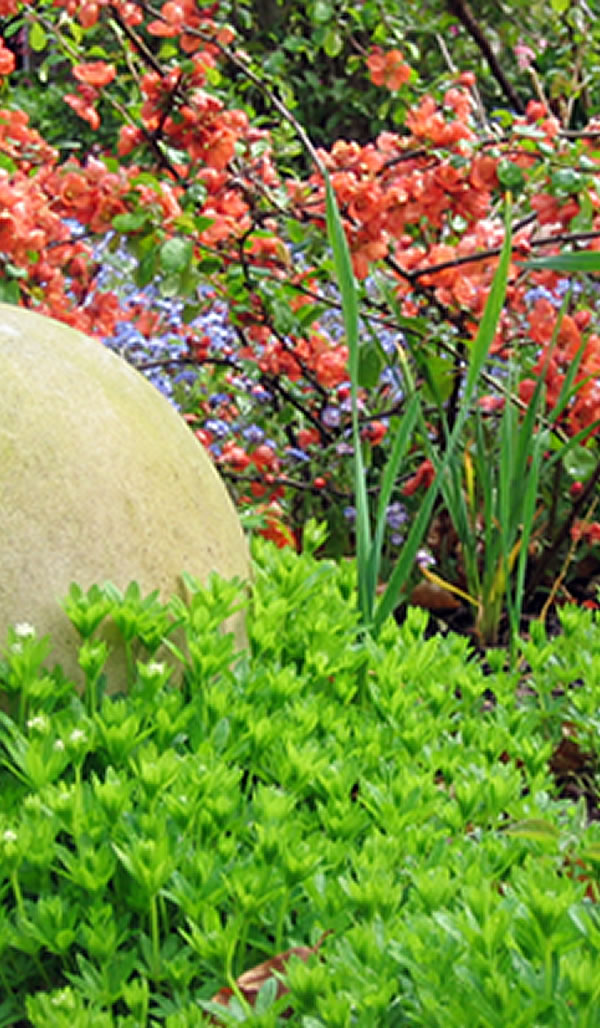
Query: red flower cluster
[[555, 360], [587, 532], [7, 59], [88, 12]]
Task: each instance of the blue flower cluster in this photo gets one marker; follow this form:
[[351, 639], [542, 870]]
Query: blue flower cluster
[[164, 359], [556, 295]]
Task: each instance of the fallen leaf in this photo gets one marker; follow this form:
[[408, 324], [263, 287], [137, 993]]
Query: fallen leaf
[[569, 759], [433, 597], [250, 982]]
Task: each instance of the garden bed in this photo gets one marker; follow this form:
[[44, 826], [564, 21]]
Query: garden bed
[[366, 803]]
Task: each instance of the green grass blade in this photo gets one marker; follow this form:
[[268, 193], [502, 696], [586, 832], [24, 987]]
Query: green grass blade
[[491, 316], [569, 387], [485, 475], [345, 277], [508, 439], [347, 285], [404, 567], [401, 442], [479, 351], [588, 260], [529, 505]]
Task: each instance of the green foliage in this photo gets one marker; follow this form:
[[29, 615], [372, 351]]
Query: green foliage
[[315, 55], [512, 467], [228, 807], [43, 101]]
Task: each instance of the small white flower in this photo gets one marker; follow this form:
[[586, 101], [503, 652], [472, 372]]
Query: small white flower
[[38, 723], [155, 667], [77, 735], [9, 835], [59, 998], [59, 745], [24, 630]]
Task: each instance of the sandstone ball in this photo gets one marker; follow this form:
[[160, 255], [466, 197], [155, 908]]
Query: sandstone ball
[[100, 480]]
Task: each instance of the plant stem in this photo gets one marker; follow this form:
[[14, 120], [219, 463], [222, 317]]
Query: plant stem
[[155, 935], [16, 888]]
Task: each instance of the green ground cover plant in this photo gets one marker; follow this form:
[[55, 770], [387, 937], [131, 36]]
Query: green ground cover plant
[[382, 808]]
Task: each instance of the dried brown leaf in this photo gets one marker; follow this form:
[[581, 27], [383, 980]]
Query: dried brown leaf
[[433, 597], [250, 982], [569, 759]]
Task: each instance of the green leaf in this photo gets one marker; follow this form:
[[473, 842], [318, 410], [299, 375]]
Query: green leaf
[[208, 265], [333, 42], [580, 462], [309, 313], [295, 230], [592, 852], [369, 366], [534, 828], [403, 434], [584, 220], [146, 179], [201, 222], [479, 351], [190, 312], [9, 291], [439, 378], [75, 30], [37, 37], [322, 11], [7, 164], [283, 318], [510, 175], [14, 271], [170, 286], [131, 222], [489, 322], [175, 255], [146, 269], [274, 64], [347, 286], [266, 996], [566, 180]]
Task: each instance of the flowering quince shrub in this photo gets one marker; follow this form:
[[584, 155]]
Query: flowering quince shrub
[[225, 255]]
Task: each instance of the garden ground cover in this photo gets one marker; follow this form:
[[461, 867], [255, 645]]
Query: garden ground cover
[[385, 801]]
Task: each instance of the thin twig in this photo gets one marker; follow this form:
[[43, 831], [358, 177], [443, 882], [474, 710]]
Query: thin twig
[[563, 571]]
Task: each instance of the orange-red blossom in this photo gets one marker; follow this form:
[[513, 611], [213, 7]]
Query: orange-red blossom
[[388, 69]]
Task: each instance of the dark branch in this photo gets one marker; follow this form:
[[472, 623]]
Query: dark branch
[[462, 11]]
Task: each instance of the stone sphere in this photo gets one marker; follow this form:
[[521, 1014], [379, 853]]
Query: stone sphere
[[100, 480]]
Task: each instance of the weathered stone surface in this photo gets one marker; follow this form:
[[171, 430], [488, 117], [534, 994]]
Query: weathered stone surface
[[100, 479]]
